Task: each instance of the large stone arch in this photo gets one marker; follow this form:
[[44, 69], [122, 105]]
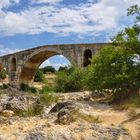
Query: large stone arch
[[34, 60]]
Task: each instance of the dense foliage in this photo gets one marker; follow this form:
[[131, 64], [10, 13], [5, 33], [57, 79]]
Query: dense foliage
[[113, 69]]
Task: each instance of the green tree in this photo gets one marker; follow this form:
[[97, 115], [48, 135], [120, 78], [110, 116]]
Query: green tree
[[48, 69], [130, 36], [113, 69], [134, 10], [128, 39], [63, 68]]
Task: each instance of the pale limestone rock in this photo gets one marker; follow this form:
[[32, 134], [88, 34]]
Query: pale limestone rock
[[7, 113]]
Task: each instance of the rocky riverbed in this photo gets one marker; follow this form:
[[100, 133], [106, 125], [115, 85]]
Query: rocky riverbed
[[76, 116]]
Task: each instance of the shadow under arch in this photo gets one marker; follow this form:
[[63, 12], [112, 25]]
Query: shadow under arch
[[28, 70], [13, 65]]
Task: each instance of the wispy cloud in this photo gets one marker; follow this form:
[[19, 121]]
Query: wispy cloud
[[46, 63], [7, 3], [55, 65], [84, 19], [4, 50], [46, 1]]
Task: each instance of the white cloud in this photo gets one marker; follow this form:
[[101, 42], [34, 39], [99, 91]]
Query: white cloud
[[82, 19], [46, 1], [58, 65], [46, 63], [55, 65], [61, 56], [7, 3], [4, 50]]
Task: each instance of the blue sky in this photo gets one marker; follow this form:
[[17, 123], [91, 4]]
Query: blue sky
[[30, 23]]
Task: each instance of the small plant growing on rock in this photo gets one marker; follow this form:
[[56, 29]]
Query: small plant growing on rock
[[48, 98], [45, 90], [36, 110]]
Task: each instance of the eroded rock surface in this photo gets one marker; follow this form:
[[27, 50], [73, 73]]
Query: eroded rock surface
[[18, 101], [57, 124]]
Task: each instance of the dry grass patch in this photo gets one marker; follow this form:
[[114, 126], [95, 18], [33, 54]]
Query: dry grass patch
[[86, 117]]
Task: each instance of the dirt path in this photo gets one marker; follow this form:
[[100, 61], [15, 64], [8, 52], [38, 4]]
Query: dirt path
[[108, 115]]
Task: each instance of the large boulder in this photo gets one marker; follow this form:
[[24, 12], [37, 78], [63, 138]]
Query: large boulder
[[18, 102], [65, 111], [35, 136], [7, 113], [21, 103], [64, 116], [69, 105]]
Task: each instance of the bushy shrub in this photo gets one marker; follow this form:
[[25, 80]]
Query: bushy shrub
[[69, 80], [48, 98], [27, 88], [39, 77], [4, 86], [33, 89], [46, 89], [3, 74], [24, 87]]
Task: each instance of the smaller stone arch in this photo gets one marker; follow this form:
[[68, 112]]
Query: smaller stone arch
[[1, 66], [13, 65], [87, 57]]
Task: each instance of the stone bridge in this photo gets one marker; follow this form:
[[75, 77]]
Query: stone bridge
[[21, 66]]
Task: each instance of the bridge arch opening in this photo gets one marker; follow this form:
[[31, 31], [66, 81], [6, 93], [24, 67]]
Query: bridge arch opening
[[57, 62], [87, 57], [39, 60], [1, 66], [13, 65]]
